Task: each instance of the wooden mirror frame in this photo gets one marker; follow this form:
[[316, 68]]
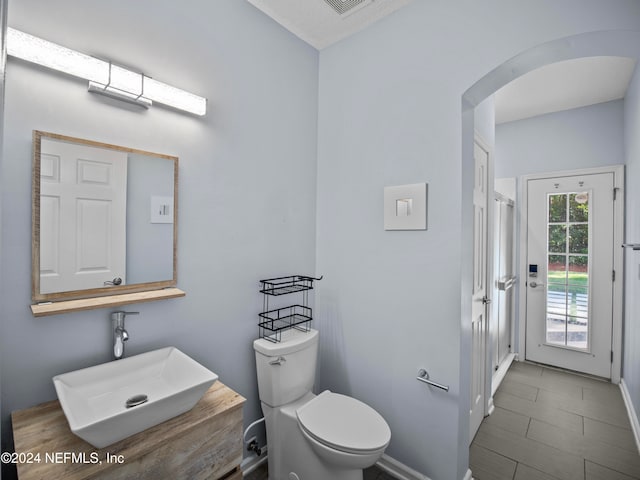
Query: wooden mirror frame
[[110, 291]]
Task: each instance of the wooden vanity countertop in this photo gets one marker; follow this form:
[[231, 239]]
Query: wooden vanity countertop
[[43, 432]]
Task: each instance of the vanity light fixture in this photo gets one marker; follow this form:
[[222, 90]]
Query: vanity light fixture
[[122, 84], [103, 77]]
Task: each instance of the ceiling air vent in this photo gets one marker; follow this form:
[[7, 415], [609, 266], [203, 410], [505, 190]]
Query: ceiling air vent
[[344, 6]]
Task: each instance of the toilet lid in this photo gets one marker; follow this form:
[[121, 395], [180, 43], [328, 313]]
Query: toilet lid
[[344, 423]]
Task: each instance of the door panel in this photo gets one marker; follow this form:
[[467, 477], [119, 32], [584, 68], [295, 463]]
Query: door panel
[[504, 274], [479, 307], [93, 236], [83, 201], [570, 299]]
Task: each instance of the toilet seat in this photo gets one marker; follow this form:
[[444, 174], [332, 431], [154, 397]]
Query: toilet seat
[[344, 423]]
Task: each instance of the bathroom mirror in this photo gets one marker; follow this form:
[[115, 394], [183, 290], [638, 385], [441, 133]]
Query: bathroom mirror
[[104, 219]]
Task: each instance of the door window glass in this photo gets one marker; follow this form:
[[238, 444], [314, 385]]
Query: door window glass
[[568, 228]]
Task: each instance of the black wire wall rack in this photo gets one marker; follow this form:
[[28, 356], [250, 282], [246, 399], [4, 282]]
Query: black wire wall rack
[[274, 321]]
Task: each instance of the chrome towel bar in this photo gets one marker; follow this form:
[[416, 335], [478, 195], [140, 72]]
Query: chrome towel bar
[[423, 376]]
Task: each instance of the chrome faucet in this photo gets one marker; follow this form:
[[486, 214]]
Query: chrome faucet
[[120, 335]]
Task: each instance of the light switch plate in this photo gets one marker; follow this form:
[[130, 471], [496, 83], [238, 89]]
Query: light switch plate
[[405, 207], [161, 209]]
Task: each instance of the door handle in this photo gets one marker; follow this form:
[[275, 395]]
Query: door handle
[[115, 281], [486, 300], [536, 284]]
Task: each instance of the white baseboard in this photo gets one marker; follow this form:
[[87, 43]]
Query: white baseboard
[[499, 374], [491, 406], [633, 416], [249, 464], [386, 463], [402, 472], [399, 470]]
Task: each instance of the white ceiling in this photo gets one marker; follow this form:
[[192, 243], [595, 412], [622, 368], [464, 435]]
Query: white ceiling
[[563, 86], [556, 87], [318, 24]]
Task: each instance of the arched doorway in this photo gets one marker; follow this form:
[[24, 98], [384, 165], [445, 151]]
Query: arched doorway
[[602, 43]]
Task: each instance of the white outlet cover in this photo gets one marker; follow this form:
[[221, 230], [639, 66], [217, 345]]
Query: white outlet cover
[[405, 207]]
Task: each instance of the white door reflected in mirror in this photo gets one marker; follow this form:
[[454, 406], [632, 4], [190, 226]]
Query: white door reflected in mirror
[[83, 194]]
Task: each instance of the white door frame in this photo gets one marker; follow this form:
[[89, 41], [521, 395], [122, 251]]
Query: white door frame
[[488, 406], [618, 265], [498, 375], [491, 218]]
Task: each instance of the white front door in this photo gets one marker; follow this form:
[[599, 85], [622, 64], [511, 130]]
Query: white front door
[[82, 216], [479, 295], [569, 300]]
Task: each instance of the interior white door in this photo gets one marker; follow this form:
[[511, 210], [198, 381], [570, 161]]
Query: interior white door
[[570, 231], [479, 295], [83, 194]]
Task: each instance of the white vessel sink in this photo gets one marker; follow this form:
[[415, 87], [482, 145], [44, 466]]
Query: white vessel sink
[[94, 399]]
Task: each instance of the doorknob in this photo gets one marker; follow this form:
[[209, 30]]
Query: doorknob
[[536, 284]]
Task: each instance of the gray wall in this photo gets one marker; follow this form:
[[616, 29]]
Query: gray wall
[[485, 122], [3, 59], [255, 150], [578, 138], [149, 245], [631, 337], [390, 114]]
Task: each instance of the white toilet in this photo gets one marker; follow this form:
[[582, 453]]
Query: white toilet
[[328, 436]]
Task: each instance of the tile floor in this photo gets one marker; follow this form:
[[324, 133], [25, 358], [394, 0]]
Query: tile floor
[[547, 425], [552, 425]]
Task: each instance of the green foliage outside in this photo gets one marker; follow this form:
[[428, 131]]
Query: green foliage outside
[[566, 233], [568, 246]]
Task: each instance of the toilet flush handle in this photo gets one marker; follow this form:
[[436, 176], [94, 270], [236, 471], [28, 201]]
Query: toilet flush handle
[[278, 361]]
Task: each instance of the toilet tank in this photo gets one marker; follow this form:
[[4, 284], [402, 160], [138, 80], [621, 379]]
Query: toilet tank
[[286, 369]]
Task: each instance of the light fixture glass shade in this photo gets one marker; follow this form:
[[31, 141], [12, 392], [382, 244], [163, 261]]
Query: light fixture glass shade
[[102, 75], [56, 57], [126, 80], [174, 97]]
